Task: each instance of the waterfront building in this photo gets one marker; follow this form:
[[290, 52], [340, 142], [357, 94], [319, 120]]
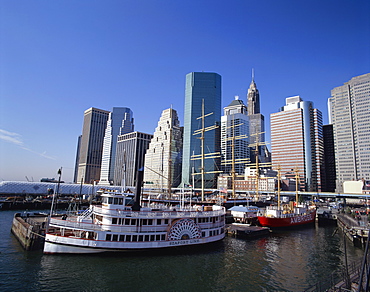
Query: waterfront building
[[234, 137], [256, 124], [349, 112], [130, 156], [329, 159], [120, 122], [297, 142], [202, 88], [162, 165], [24, 189], [248, 183], [91, 146]]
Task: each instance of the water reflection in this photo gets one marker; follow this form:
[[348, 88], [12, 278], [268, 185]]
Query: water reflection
[[285, 261]]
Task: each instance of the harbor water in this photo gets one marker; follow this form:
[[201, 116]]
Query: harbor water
[[291, 260]]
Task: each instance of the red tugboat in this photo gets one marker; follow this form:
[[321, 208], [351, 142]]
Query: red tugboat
[[290, 215]]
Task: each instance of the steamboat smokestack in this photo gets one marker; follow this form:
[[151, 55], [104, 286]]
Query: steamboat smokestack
[[139, 181]]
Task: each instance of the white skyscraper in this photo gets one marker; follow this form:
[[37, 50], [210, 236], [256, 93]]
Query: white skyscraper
[[349, 112], [120, 122], [163, 158]]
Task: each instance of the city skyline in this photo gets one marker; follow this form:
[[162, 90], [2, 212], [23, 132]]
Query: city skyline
[[59, 59]]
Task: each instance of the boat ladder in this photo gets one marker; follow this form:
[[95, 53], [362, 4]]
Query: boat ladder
[[86, 214]]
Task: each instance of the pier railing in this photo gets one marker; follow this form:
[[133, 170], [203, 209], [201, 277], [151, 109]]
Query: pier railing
[[338, 280]]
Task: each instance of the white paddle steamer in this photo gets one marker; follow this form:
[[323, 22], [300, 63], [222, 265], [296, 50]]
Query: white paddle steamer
[[114, 226]]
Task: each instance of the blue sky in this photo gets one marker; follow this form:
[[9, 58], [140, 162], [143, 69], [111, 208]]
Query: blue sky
[[59, 58]]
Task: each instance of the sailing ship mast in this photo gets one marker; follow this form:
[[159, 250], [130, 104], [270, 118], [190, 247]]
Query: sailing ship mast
[[204, 156], [278, 186], [296, 185], [258, 164], [169, 181], [233, 160]]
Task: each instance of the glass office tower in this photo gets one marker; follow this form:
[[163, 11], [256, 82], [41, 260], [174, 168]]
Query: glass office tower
[[235, 137], [201, 87], [120, 122]]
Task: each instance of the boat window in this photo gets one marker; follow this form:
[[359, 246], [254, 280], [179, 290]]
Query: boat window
[[115, 237], [128, 237], [152, 237], [145, 222], [203, 234], [134, 238], [146, 238], [110, 200], [140, 238], [108, 237], [105, 200], [121, 201], [150, 221], [165, 221], [163, 237], [116, 201], [158, 237], [114, 220], [121, 238], [159, 221], [133, 222]]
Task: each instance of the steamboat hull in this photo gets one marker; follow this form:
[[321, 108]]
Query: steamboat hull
[[58, 245], [284, 222]]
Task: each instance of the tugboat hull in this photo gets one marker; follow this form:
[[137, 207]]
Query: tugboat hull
[[287, 221]]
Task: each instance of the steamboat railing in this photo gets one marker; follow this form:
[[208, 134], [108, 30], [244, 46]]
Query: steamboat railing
[[157, 214]]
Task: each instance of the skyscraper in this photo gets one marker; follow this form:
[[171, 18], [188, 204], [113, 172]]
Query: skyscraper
[[329, 159], [349, 112], [297, 142], [163, 158], [91, 147], [234, 137], [256, 123], [201, 88], [130, 155], [120, 122]]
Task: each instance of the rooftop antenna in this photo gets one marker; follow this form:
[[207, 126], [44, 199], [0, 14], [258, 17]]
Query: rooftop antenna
[[252, 74]]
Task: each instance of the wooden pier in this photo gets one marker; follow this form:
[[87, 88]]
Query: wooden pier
[[29, 229], [246, 231], [355, 230]]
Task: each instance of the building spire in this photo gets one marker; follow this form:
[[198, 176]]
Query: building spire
[[253, 97]]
